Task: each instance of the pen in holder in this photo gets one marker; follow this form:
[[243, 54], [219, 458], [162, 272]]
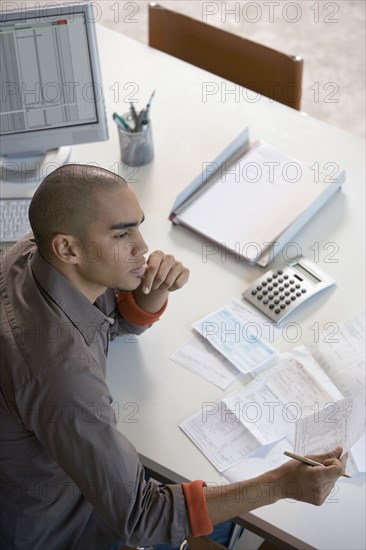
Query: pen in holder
[[135, 135]]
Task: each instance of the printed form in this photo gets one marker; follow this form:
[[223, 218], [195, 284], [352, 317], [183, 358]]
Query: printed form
[[321, 395], [338, 424], [261, 411], [219, 435], [199, 356], [268, 411], [342, 355], [235, 340]]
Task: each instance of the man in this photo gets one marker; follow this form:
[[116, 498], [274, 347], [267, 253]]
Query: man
[[70, 479]]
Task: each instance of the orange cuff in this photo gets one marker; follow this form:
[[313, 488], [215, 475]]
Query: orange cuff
[[196, 505], [133, 313]]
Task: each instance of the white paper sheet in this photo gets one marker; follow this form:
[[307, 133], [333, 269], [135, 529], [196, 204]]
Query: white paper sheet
[[299, 388], [357, 454], [200, 357], [270, 405], [219, 435], [260, 410], [341, 354], [266, 457], [260, 324], [340, 423], [226, 332], [289, 189]]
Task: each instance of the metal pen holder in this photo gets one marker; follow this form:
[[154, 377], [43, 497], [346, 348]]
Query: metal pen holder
[[137, 148]]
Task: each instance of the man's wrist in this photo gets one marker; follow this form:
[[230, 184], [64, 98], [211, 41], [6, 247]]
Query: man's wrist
[[152, 302], [273, 484], [135, 313]]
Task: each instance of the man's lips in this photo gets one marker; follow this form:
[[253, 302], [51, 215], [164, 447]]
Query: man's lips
[[139, 271]]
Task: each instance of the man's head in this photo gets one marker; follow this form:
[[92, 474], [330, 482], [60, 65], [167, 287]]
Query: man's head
[[65, 202], [85, 221]]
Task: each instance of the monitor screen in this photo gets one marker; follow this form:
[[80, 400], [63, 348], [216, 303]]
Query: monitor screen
[[51, 92]]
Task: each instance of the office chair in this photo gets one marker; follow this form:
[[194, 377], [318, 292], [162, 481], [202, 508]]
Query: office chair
[[261, 69]]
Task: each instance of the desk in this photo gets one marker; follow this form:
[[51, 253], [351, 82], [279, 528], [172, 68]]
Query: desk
[[152, 393]]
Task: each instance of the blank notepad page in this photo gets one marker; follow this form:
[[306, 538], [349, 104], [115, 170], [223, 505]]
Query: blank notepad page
[[254, 201]]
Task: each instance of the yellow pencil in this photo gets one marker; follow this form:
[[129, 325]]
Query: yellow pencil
[[306, 460]]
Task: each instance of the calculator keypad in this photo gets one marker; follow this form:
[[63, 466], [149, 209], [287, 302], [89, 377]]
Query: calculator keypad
[[277, 293]]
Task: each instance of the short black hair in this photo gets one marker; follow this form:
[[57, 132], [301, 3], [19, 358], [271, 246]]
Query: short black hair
[[65, 202]]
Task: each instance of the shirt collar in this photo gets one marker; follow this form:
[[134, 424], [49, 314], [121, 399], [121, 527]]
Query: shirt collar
[[87, 317]]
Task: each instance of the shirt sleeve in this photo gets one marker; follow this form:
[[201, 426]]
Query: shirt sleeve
[[133, 313], [196, 503], [70, 410]]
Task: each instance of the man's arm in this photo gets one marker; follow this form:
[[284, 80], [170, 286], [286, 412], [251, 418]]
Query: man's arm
[[70, 413], [142, 307], [295, 480]]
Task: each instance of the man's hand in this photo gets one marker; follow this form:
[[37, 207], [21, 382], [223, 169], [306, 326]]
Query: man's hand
[[163, 274], [312, 484], [293, 479]]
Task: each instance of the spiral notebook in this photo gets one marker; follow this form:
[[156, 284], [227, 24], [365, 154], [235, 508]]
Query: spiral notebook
[[253, 198]]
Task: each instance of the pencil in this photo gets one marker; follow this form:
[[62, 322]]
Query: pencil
[[306, 460]]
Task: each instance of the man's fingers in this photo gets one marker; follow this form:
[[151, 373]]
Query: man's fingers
[[164, 272], [335, 453], [344, 459], [175, 280], [168, 271], [339, 462], [158, 265], [149, 277], [171, 280]]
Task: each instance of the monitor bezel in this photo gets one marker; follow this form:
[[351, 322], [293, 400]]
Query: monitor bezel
[[28, 142]]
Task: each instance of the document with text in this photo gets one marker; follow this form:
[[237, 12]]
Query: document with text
[[200, 357], [266, 410], [219, 435], [235, 340], [297, 403], [341, 354], [270, 405], [341, 423]]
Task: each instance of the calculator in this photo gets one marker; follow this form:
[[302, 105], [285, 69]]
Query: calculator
[[279, 291]]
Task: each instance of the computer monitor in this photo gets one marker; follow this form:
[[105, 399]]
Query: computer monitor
[[51, 91]]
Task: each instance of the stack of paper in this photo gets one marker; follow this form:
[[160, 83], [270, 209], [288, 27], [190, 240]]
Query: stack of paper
[[261, 183], [241, 345], [211, 353], [295, 404]]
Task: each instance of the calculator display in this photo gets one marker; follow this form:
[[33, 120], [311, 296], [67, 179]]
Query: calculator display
[[306, 273]]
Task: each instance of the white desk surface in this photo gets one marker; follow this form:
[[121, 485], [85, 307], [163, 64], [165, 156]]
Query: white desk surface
[[154, 394]]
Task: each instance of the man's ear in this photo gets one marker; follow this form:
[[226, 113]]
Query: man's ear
[[66, 248]]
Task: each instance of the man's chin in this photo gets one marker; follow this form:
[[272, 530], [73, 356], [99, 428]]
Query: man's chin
[[129, 287]]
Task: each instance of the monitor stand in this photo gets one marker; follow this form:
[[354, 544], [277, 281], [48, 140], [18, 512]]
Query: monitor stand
[[20, 175]]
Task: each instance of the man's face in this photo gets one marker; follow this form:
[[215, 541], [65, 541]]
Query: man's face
[[113, 251]]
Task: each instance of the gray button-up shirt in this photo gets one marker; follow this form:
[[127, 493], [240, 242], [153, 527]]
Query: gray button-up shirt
[[69, 478]]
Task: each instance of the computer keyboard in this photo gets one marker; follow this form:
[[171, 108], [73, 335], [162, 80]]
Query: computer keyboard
[[14, 221]]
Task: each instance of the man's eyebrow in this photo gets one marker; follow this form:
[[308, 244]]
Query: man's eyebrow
[[124, 225]]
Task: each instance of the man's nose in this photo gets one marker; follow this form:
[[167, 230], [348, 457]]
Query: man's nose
[[142, 247]]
